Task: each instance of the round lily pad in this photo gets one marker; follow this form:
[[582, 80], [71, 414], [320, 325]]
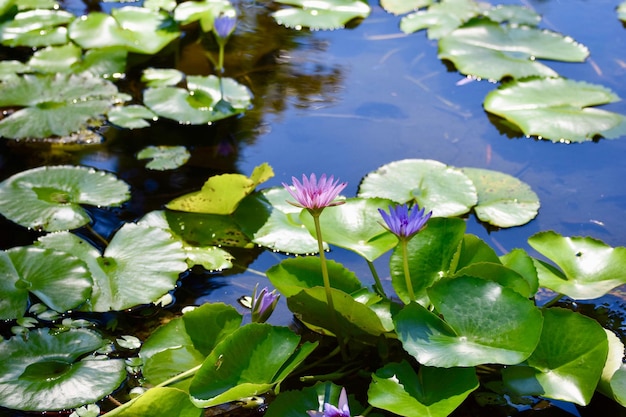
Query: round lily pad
[[49, 198], [43, 370], [54, 105], [435, 186], [164, 157]]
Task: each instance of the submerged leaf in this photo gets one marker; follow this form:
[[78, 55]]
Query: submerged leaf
[[43, 371], [54, 105], [49, 198], [556, 109]]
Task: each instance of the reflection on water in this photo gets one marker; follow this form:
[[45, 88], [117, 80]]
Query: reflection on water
[[346, 102]]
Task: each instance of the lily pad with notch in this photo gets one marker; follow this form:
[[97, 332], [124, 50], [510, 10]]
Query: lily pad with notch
[[55, 105], [445, 190], [49, 370], [486, 49], [587, 268], [60, 280], [398, 7], [557, 109], [126, 274], [50, 198], [205, 100]]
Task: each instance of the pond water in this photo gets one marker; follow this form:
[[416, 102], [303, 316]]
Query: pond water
[[346, 102]]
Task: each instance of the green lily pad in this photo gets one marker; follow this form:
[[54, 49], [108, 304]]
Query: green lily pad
[[249, 361], [434, 392], [518, 260], [484, 323], [203, 101], [164, 157], [43, 371], [350, 318], [109, 63], [49, 198], [138, 29], [403, 6], [54, 105], [485, 49], [269, 221], [169, 401], [568, 361], [293, 275], [55, 58], [503, 200], [442, 18], [431, 255], [221, 194], [131, 117], [184, 342], [589, 268], [35, 28], [433, 185], [356, 226], [126, 275], [59, 280], [205, 230], [556, 109], [613, 380], [322, 14]]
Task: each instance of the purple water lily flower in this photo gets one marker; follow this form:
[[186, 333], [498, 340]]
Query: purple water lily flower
[[224, 25], [330, 410], [404, 222], [315, 195], [263, 304]]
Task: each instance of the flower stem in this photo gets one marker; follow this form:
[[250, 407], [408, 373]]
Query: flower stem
[[378, 285], [407, 274], [329, 295], [220, 59]]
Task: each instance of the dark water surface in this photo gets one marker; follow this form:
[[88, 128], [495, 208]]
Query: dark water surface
[[348, 101]]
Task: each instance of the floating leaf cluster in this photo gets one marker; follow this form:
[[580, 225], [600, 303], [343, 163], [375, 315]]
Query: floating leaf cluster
[[503, 43], [468, 308]]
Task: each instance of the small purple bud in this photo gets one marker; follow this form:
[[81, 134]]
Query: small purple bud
[[263, 304], [224, 25]]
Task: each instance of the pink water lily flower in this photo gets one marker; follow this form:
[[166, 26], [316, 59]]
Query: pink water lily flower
[[315, 195]]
